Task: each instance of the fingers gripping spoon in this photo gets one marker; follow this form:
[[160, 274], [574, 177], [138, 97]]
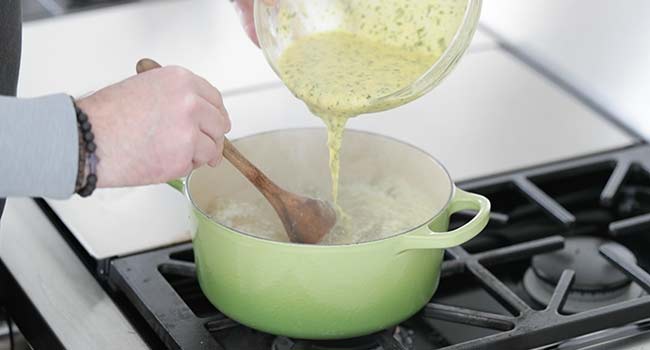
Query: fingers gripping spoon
[[306, 220]]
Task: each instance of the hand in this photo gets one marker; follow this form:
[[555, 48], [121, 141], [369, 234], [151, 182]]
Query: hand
[[155, 127], [245, 10]]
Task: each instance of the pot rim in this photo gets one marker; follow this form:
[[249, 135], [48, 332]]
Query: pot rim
[[452, 186]]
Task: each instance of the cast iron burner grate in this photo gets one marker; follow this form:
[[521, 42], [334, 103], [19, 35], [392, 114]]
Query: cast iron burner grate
[[482, 301]]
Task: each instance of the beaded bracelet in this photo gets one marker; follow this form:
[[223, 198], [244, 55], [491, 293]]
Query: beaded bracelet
[[87, 175]]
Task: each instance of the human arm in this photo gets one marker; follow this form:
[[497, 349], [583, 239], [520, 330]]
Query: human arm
[[38, 146], [149, 128]]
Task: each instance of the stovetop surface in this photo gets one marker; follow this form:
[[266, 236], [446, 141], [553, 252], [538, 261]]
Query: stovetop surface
[[564, 256], [40, 9]]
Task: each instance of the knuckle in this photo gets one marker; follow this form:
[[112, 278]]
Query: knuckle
[[181, 77], [178, 72], [190, 104]]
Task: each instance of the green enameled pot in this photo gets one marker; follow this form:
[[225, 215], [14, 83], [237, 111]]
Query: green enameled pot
[[325, 291]]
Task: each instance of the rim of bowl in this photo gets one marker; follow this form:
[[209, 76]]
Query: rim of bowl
[[450, 183], [472, 6]]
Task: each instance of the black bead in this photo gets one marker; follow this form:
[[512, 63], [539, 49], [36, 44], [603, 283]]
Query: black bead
[[91, 147], [85, 126], [86, 191], [91, 180], [89, 136], [82, 117]]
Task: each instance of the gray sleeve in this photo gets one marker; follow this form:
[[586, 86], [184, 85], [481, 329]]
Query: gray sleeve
[[39, 149]]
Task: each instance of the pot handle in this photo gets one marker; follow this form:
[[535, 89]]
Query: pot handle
[[178, 185], [438, 240]]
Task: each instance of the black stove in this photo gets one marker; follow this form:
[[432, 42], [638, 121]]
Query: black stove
[[562, 265]]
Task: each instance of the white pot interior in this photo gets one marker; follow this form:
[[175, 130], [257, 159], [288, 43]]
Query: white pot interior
[[297, 160]]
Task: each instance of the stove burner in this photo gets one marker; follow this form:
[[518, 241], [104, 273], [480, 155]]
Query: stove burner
[[597, 282], [397, 339]]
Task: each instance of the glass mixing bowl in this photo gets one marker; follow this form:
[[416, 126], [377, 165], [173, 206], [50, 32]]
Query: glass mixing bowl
[[445, 26]]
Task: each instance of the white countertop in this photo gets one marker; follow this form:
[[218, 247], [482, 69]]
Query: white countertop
[[601, 47], [82, 52], [493, 114], [76, 308]]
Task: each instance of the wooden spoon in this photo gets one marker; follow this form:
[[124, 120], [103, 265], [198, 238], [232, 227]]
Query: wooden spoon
[[306, 220]]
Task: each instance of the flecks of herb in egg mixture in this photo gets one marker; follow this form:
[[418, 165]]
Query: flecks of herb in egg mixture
[[381, 47], [338, 74]]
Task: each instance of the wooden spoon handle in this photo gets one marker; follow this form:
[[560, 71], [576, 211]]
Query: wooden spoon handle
[[252, 173], [146, 64], [230, 152]]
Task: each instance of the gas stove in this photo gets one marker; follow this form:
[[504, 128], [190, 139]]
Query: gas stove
[[562, 265]]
